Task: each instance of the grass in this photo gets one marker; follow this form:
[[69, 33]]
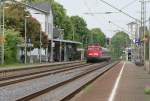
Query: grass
[[15, 65], [88, 88], [147, 90]]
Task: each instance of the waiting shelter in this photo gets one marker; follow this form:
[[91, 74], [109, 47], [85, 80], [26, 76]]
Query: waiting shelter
[[65, 50]]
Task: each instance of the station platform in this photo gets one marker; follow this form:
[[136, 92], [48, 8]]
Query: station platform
[[115, 85]]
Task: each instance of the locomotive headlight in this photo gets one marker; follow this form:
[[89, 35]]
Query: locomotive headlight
[[90, 54], [95, 54]]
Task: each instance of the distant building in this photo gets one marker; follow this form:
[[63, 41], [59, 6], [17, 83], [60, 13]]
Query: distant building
[[133, 29]]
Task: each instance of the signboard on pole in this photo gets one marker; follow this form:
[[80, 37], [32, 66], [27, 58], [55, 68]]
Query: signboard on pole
[[137, 41]]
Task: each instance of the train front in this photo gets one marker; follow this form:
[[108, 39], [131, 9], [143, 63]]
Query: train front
[[93, 53]]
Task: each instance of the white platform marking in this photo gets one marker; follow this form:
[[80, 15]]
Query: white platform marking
[[113, 93]]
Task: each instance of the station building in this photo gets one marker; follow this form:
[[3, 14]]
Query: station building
[[58, 49]]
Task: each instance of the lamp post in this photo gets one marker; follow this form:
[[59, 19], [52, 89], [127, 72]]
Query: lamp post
[[92, 41], [149, 45], [73, 32], [25, 43], [25, 39], [29, 45], [40, 44], [60, 49], [3, 35]]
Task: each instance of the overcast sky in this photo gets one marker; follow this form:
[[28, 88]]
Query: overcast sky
[[79, 7]]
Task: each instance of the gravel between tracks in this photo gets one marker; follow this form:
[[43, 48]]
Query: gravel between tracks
[[16, 91], [63, 91], [12, 73]]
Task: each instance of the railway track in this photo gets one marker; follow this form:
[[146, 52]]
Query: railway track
[[13, 86], [39, 74], [58, 88], [7, 74], [43, 86], [36, 94]]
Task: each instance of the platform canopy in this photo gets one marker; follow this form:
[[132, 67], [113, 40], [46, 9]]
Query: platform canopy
[[67, 41]]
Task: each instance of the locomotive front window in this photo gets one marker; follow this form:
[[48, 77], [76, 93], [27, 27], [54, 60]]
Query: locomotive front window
[[90, 48], [93, 48], [96, 48]]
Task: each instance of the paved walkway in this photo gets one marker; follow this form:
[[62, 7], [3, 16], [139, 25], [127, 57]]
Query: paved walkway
[[132, 84], [130, 88], [100, 89]]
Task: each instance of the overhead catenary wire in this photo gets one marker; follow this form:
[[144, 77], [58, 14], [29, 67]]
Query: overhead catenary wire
[[125, 13], [119, 26], [89, 9], [93, 14], [129, 4], [86, 5]]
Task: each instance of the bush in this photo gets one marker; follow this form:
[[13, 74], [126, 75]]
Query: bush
[[11, 41], [147, 90]]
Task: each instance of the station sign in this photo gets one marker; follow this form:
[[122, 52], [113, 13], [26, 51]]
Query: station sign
[[137, 41]]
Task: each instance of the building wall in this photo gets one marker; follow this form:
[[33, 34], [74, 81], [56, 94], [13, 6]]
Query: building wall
[[38, 16], [46, 20], [50, 25]]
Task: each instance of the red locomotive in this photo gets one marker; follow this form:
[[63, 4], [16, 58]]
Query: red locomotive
[[95, 53]]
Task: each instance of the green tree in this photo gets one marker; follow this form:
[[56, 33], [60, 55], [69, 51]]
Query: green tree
[[59, 14], [11, 40], [33, 31], [119, 42], [44, 40], [87, 37], [97, 36], [15, 18], [80, 28], [61, 19], [68, 28]]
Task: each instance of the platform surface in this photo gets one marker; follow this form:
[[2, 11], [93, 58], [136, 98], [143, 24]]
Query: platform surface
[[132, 84], [130, 87]]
